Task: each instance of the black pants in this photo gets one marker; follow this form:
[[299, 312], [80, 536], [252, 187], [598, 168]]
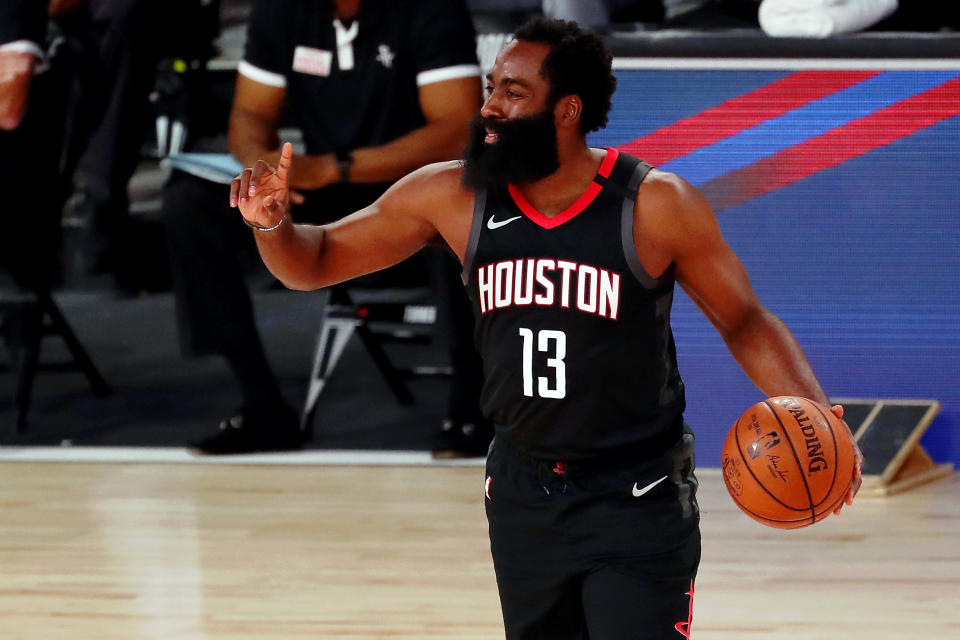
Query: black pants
[[211, 253], [578, 555]]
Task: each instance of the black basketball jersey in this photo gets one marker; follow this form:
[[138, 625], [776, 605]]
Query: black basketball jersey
[[575, 336]]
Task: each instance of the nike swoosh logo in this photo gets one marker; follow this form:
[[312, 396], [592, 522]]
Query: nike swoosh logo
[[637, 492], [493, 224]]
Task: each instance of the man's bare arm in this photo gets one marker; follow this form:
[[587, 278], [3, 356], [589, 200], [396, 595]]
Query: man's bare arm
[[714, 278], [393, 228], [252, 136], [254, 118], [16, 72], [716, 281], [60, 8]]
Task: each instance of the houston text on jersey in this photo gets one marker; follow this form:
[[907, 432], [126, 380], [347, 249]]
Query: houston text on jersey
[[547, 282]]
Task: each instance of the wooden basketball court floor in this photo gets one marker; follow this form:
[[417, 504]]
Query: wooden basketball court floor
[[153, 546]]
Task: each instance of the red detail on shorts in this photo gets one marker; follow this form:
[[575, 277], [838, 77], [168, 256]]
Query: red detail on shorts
[[363, 312], [560, 469], [684, 627]]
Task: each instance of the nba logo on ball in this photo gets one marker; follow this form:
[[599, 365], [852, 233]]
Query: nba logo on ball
[[787, 462]]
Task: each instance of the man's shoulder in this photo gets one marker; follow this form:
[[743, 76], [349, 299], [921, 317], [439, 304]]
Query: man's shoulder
[[670, 207], [443, 175], [436, 182], [433, 193], [668, 195], [663, 185]]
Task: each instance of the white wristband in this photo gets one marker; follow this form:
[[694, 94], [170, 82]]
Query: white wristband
[[259, 228]]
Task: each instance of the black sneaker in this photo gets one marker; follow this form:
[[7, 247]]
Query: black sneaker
[[254, 431], [468, 440]]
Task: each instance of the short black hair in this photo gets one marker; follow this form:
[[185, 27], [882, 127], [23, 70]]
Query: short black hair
[[579, 63]]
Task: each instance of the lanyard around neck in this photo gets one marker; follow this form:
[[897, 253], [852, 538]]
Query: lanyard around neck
[[345, 38]]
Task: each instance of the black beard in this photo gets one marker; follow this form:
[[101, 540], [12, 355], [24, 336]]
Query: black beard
[[525, 151]]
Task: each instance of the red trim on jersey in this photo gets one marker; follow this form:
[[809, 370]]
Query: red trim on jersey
[[546, 221], [588, 196], [608, 161]]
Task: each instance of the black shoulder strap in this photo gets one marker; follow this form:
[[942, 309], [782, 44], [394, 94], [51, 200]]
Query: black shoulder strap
[[639, 171], [479, 204], [626, 176]]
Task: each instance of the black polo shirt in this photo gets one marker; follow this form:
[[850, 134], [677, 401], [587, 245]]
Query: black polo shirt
[[396, 46], [23, 25]]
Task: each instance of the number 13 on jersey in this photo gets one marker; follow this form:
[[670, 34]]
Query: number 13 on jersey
[[546, 388]]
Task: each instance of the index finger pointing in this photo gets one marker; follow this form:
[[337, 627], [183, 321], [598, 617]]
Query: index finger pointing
[[286, 159]]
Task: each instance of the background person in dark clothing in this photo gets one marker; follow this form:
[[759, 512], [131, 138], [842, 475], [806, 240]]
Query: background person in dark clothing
[[121, 43], [377, 89]]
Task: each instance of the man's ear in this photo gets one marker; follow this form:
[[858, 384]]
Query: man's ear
[[568, 111]]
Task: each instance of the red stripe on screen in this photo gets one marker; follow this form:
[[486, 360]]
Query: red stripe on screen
[[742, 112], [855, 138]]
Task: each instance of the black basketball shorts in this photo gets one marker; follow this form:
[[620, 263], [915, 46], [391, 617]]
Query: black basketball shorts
[[600, 550]]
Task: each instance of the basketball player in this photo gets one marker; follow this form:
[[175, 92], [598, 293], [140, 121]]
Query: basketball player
[[570, 255]]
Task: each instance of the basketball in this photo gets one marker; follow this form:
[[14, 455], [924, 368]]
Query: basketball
[[788, 462]]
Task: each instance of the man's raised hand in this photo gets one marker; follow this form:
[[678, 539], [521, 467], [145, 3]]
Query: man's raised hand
[[263, 193]]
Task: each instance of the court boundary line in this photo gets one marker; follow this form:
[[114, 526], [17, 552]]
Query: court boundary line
[[181, 455]]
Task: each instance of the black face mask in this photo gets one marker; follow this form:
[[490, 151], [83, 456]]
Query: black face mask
[[525, 151]]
